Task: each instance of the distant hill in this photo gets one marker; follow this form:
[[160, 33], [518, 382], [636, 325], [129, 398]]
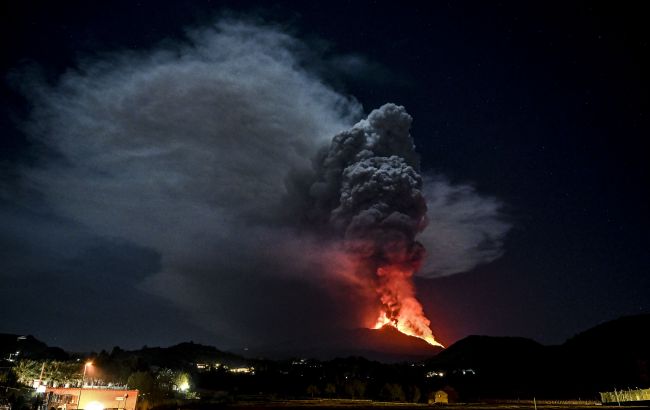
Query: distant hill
[[626, 335], [386, 345], [480, 351], [183, 355], [29, 348], [614, 354], [484, 366]]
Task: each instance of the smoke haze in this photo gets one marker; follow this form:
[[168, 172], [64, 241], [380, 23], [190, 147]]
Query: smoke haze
[[214, 157]]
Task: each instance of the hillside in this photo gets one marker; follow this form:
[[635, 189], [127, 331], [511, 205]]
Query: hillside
[[29, 348], [180, 356], [612, 355], [385, 345]]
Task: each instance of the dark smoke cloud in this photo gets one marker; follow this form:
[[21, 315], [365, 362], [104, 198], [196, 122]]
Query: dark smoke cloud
[[371, 174], [216, 155], [367, 183]]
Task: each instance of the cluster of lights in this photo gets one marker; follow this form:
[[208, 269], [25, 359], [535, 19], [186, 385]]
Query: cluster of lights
[[238, 370], [245, 370], [13, 356], [440, 373]]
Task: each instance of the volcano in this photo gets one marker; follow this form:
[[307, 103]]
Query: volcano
[[386, 344]]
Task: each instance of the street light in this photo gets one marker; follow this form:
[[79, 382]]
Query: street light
[[83, 378], [86, 366]]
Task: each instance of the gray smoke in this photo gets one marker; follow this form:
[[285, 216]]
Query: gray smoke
[[184, 151], [370, 177], [332, 194]]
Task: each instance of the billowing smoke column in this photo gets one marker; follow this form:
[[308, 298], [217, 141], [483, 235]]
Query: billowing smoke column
[[368, 192]]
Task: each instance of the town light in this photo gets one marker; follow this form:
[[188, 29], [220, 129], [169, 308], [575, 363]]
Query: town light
[[86, 366], [183, 382], [94, 405], [83, 379]]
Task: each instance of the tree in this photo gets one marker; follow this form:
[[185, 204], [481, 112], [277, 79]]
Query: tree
[[182, 381], [330, 389], [54, 371], [355, 388], [392, 392], [7, 378], [27, 370], [142, 381], [312, 390], [165, 380], [414, 394]]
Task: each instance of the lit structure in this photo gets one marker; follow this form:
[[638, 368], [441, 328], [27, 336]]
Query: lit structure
[[83, 380], [244, 370], [440, 396], [90, 398], [625, 396]]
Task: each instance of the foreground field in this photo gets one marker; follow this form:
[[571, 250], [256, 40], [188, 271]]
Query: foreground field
[[367, 404]]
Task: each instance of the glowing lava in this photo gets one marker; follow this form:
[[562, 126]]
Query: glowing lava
[[403, 327], [368, 181], [400, 308]]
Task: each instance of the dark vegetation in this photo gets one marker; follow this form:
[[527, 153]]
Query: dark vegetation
[[478, 368]]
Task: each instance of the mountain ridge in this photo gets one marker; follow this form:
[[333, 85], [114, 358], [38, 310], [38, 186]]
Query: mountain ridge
[[626, 334]]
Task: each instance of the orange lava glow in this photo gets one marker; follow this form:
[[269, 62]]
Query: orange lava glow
[[407, 330], [400, 308]]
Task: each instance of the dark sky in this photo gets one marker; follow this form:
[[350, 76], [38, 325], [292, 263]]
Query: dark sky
[[539, 107]]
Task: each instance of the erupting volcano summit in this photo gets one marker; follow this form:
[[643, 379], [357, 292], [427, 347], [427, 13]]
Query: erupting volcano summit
[[367, 192]]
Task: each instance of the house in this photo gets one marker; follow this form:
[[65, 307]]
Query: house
[[446, 395], [440, 396], [89, 398]]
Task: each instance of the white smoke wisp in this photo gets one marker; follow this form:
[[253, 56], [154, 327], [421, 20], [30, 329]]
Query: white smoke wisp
[[465, 230], [209, 130], [185, 150]]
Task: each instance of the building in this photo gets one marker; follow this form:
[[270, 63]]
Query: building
[[637, 396], [89, 398], [443, 396], [440, 396]]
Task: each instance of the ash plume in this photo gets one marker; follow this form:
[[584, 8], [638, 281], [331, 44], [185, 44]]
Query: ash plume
[[369, 191]]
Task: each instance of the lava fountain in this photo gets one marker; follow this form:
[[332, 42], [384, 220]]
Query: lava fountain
[[400, 307]]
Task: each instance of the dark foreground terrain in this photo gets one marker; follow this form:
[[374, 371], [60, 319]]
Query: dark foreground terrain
[[499, 371], [325, 404]]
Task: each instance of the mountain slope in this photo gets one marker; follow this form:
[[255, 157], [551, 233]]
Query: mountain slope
[[29, 348], [386, 345]]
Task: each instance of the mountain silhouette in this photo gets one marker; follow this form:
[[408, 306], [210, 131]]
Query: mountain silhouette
[[386, 345]]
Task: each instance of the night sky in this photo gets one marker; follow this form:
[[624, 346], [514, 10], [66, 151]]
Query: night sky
[[126, 219]]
